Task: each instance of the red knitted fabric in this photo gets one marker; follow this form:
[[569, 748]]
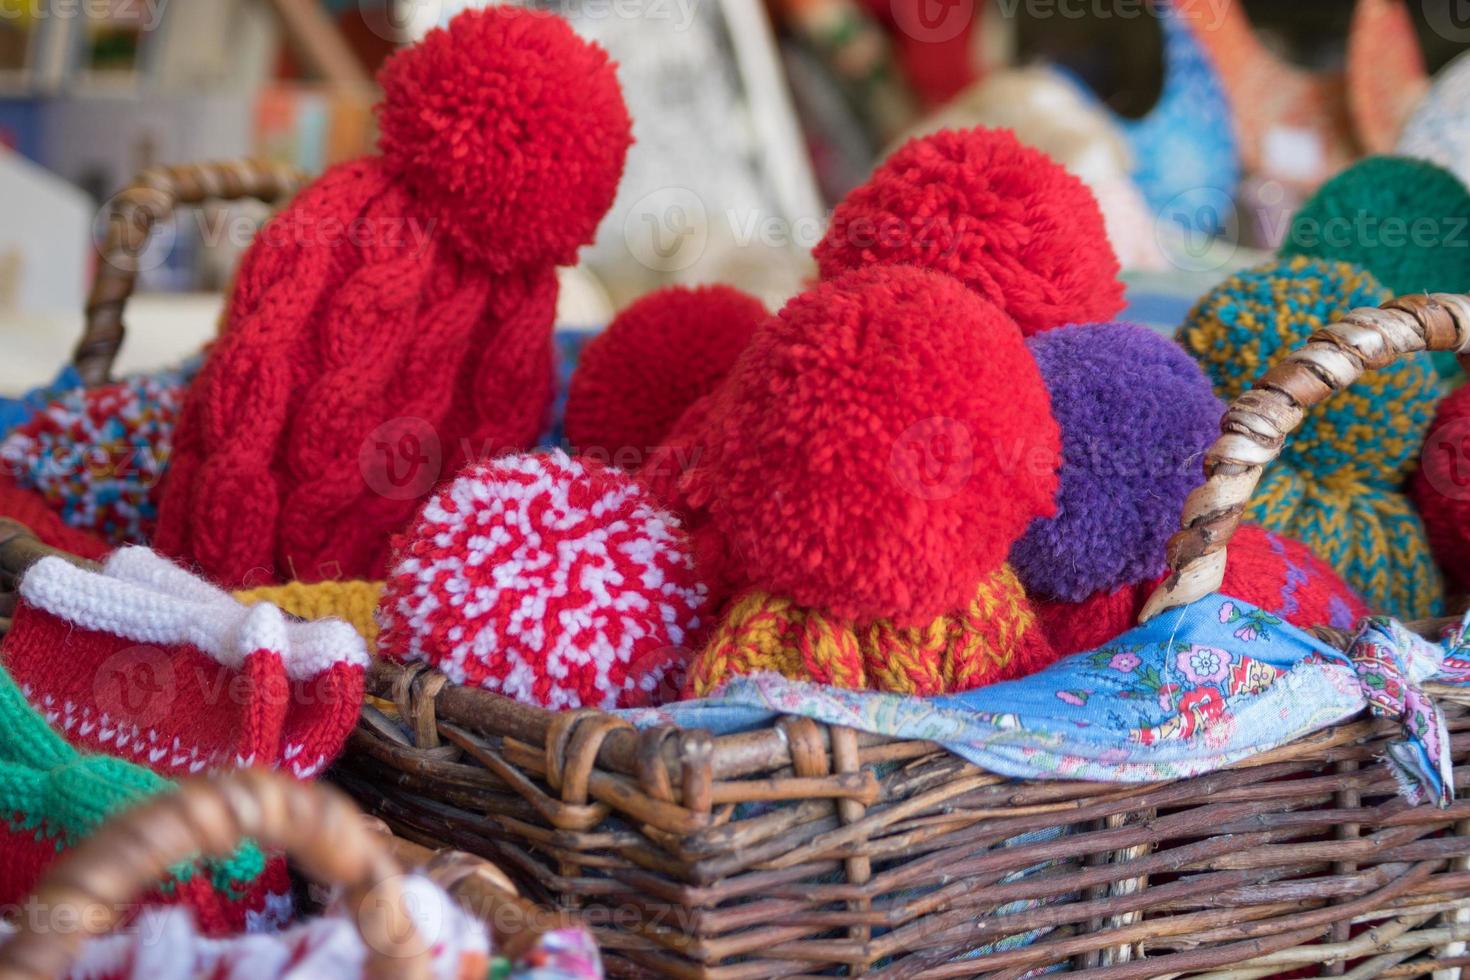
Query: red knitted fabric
[[395, 320], [32, 510], [877, 448], [1440, 487], [1276, 573], [26, 855], [148, 663], [1004, 218], [654, 360]]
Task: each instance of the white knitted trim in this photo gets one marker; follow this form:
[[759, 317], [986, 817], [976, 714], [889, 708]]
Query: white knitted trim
[[146, 567], [225, 630]]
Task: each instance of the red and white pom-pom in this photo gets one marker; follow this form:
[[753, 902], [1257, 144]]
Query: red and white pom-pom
[[552, 580]]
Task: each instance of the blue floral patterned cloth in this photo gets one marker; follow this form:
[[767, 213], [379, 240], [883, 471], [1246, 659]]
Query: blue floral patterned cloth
[[1192, 691]]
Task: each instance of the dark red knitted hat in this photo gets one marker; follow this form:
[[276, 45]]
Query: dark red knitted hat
[[1441, 487], [657, 357], [396, 319]]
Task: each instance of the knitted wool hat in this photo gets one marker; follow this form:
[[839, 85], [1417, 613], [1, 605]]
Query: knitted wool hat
[[148, 662], [1403, 220], [994, 637], [1441, 487], [999, 216], [51, 797], [653, 361], [876, 450], [552, 580], [395, 320], [1338, 484], [1276, 573], [98, 455], [1137, 415]]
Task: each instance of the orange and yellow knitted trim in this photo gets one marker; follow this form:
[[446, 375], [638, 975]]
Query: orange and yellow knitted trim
[[355, 602], [995, 638]]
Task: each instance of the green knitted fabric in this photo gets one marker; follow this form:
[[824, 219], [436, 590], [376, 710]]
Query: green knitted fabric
[[1407, 221], [49, 787], [1338, 483]]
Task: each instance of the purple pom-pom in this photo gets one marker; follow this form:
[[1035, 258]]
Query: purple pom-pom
[[1137, 414]]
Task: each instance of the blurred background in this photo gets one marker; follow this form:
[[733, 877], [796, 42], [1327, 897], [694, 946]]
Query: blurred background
[[1200, 124]]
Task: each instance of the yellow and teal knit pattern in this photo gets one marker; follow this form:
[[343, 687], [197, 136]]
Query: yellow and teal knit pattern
[[1338, 485]]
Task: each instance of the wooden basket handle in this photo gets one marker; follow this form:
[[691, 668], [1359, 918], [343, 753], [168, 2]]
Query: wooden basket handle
[[1256, 425], [319, 827], [151, 197]]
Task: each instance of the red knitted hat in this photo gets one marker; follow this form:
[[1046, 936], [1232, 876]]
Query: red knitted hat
[[1441, 486], [144, 661], [1004, 218], [876, 449], [653, 361], [396, 319], [1268, 570]]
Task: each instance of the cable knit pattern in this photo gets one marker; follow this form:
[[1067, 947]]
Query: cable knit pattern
[[995, 637], [371, 346], [145, 661]]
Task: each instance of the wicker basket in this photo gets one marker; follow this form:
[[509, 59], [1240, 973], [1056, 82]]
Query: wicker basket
[[802, 849], [321, 830]]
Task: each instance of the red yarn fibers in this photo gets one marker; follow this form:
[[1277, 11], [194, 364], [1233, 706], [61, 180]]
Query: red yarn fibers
[[656, 358], [877, 448], [1005, 219], [1441, 486], [552, 580], [1270, 571], [510, 132], [395, 320]]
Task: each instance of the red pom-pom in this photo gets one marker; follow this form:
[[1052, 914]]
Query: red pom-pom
[[654, 360], [877, 448], [511, 132], [1441, 487], [1270, 571], [1003, 218], [552, 580]]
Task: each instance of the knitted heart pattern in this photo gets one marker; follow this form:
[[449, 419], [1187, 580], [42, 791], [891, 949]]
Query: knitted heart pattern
[[552, 580], [145, 661]]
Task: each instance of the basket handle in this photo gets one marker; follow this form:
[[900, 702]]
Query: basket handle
[[1256, 425], [152, 196], [317, 826]]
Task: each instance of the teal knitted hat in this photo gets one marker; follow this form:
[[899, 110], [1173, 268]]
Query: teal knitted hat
[[1406, 221], [1338, 484]]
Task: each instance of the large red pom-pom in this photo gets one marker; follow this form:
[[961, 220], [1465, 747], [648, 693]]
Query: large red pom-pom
[[656, 358], [511, 132], [877, 448], [1441, 486], [1003, 218], [551, 580]]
